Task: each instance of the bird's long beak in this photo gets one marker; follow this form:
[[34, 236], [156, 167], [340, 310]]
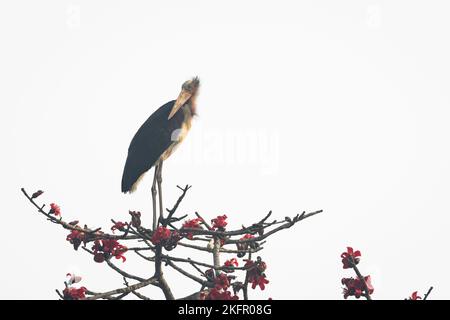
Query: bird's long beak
[[183, 97]]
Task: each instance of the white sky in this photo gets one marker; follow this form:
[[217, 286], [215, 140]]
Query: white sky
[[341, 106]]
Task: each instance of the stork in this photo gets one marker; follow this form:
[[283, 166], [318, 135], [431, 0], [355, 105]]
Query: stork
[[157, 139]]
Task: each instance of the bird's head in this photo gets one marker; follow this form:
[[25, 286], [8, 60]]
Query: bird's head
[[189, 91]]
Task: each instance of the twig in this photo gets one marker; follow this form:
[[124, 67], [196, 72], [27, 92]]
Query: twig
[[59, 294], [223, 234], [172, 211], [134, 287], [425, 297], [192, 246], [195, 263], [92, 234], [362, 280], [187, 274], [137, 294], [117, 269]]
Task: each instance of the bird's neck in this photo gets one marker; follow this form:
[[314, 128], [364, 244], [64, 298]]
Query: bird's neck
[[191, 108]]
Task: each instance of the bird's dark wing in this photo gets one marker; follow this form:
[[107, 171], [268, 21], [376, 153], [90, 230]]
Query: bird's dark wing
[[149, 143]]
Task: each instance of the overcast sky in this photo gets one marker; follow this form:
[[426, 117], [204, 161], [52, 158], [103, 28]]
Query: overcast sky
[[336, 105]]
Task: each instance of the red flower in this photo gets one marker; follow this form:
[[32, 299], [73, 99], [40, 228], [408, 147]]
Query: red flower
[[260, 281], [232, 262], [119, 226], [75, 237], [255, 273], [220, 290], [55, 209], [160, 235], [355, 287], [229, 265], [216, 294], [219, 222], [192, 224], [415, 296], [37, 194], [350, 258], [119, 251], [222, 281], [74, 293], [247, 236], [108, 247]]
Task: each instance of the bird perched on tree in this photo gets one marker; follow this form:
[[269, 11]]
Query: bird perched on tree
[[157, 139]]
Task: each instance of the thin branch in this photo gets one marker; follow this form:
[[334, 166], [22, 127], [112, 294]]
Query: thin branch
[[425, 297], [92, 234], [362, 280], [187, 274], [192, 246], [59, 294], [223, 234], [286, 225], [136, 293], [117, 269], [172, 211], [195, 263], [128, 289]]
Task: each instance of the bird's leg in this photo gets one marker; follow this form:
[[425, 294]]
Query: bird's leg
[[155, 221], [159, 180]]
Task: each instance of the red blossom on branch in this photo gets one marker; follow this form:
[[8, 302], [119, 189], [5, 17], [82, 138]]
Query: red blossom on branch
[[71, 293], [229, 265], [359, 286], [166, 238], [231, 262], [355, 287], [160, 235], [350, 258], [219, 223], [105, 248], [55, 209], [216, 294], [76, 237], [192, 224], [222, 281], [255, 273], [119, 226], [247, 236], [415, 296], [260, 281], [221, 290]]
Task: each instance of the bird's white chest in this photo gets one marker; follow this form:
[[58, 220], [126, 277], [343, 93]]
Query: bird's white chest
[[177, 137]]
